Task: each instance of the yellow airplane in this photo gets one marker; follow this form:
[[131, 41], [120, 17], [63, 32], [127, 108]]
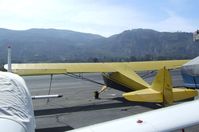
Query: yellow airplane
[[122, 76]]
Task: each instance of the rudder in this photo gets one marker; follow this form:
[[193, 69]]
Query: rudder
[[163, 84]]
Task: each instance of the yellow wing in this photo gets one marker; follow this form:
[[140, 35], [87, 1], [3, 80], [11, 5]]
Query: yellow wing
[[59, 68]]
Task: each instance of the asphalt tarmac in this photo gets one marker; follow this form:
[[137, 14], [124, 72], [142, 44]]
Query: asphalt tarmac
[[78, 107]]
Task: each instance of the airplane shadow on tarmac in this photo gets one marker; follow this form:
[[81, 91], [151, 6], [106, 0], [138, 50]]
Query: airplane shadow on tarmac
[[90, 107]]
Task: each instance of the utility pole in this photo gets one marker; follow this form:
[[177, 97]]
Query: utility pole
[[9, 59]]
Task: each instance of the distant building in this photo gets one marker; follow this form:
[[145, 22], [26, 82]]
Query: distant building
[[196, 36]]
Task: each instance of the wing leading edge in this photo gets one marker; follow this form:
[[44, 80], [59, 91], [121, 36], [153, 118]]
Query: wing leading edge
[[60, 68]]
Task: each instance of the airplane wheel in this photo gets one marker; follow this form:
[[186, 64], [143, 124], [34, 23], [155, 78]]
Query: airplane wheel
[[96, 95]]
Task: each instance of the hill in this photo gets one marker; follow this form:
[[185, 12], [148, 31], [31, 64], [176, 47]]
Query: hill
[[51, 45], [149, 44]]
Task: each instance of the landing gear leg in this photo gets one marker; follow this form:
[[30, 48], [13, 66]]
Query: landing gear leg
[[96, 93]]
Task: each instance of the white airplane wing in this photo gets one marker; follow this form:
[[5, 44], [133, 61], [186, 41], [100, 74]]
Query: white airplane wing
[[165, 119]]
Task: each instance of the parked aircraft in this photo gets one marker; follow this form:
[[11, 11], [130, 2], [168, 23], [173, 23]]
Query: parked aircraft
[[121, 76], [190, 73]]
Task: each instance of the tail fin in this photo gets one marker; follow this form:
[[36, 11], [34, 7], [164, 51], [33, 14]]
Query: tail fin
[[163, 84], [161, 91]]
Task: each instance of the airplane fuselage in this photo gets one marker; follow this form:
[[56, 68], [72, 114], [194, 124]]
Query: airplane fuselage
[[111, 81]]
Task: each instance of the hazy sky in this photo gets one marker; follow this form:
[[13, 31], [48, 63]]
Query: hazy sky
[[104, 17]]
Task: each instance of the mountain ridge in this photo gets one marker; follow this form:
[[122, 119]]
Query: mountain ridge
[[54, 45]]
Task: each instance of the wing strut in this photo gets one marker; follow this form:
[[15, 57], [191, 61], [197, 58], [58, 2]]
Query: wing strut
[[79, 76], [50, 87], [48, 96]]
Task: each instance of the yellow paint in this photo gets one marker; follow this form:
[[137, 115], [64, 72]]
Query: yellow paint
[[59, 68], [163, 84], [182, 93], [144, 95], [128, 78], [161, 91]]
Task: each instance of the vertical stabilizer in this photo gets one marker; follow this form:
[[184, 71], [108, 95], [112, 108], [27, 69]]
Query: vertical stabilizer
[[163, 84]]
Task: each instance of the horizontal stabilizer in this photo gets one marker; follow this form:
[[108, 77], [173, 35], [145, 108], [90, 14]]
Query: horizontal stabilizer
[[144, 95], [151, 95], [183, 93]]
